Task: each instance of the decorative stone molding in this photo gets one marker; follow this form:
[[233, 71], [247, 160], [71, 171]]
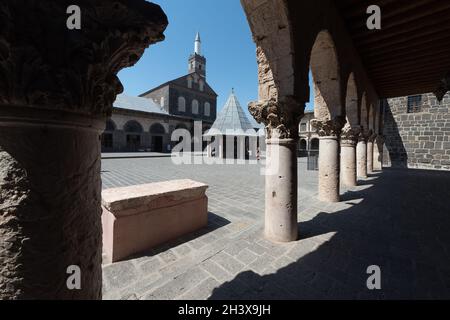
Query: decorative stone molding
[[349, 135], [43, 64], [281, 117], [364, 135], [328, 128]]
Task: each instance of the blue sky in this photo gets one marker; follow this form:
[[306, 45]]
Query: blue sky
[[226, 43]]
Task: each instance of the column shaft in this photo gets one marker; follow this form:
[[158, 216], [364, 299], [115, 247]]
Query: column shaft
[[378, 156], [51, 205], [370, 156], [329, 169], [281, 190], [361, 155], [348, 163]]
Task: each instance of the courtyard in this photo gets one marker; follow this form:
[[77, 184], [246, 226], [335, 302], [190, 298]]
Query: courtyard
[[397, 219]]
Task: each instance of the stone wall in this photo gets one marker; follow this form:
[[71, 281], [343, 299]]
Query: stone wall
[[417, 140]]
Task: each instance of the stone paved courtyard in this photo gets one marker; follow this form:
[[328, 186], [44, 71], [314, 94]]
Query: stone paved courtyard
[[398, 220]]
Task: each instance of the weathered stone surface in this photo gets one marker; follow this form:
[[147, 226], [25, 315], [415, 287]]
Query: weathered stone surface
[[122, 201], [138, 218], [58, 68], [56, 87], [415, 140]]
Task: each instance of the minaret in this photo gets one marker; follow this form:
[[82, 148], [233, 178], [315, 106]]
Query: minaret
[[197, 62], [198, 45]]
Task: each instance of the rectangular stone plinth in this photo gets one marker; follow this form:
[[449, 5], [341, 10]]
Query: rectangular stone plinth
[[138, 218]]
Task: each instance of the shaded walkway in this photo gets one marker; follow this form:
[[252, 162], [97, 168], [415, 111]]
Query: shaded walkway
[[400, 223]]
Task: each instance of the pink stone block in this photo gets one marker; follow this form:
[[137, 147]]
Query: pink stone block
[[138, 218]]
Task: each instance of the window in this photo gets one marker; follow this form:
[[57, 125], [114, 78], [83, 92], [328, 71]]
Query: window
[[194, 107], [207, 109], [162, 101], [189, 82], [181, 104], [414, 104], [303, 127], [202, 85]]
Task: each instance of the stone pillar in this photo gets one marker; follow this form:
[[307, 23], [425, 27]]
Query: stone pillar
[[370, 142], [55, 96], [348, 156], [282, 119], [361, 157], [378, 153], [329, 160]]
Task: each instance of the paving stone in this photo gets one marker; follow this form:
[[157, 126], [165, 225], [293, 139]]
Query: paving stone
[[119, 275], [216, 270], [201, 292], [229, 263], [246, 256], [178, 285], [338, 241]]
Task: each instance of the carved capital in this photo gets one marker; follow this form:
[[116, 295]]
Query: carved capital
[[43, 64], [349, 135], [327, 128], [281, 117]]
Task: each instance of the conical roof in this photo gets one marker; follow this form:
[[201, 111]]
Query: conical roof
[[232, 120]]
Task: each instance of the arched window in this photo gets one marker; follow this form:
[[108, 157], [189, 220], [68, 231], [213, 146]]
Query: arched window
[[194, 106], [189, 82], [202, 85], [157, 128], [181, 104], [162, 102], [133, 127], [207, 109]]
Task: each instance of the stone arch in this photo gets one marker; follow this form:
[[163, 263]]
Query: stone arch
[[133, 126], [157, 128], [351, 102], [110, 126], [324, 66], [275, 50]]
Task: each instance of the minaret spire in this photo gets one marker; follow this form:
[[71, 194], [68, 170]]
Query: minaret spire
[[198, 45]]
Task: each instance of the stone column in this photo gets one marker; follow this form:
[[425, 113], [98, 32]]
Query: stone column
[[329, 160], [282, 119], [348, 156], [56, 90], [378, 153], [370, 142], [361, 157]]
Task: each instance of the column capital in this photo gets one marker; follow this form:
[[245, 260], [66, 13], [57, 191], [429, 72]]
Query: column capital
[[349, 135], [44, 65], [327, 128], [372, 137], [281, 117]]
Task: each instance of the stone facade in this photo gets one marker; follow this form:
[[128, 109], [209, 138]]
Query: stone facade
[[309, 139], [419, 139], [179, 103]]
